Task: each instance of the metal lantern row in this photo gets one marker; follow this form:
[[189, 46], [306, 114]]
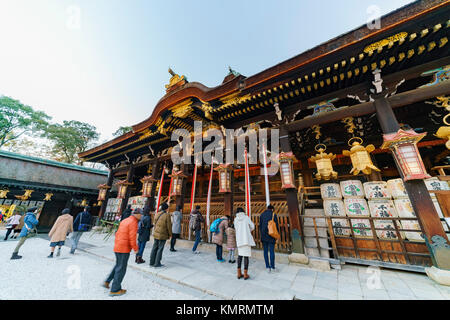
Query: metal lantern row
[[286, 160], [103, 189], [323, 163], [403, 145], [225, 171], [147, 185], [360, 156], [123, 186], [177, 182]]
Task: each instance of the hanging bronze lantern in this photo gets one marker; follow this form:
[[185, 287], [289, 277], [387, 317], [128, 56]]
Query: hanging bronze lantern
[[123, 186], [286, 160], [444, 132], [323, 163], [103, 188], [225, 171], [147, 185], [403, 145], [360, 156], [177, 182]]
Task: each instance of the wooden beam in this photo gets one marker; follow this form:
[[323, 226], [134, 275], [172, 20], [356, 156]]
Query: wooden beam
[[396, 101]]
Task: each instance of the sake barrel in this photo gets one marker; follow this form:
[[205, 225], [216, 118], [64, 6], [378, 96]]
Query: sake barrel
[[376, 190], [384, 209], [412, 225], [397, 188], [361, 228], [404, 208], [352, 189], [330, 191], [434, 184], [356, 207], [334, 208]]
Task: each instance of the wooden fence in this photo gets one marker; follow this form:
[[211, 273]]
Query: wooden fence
[[217, 210]]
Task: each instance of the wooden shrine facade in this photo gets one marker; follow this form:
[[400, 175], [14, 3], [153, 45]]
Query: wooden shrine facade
[[367, 83]]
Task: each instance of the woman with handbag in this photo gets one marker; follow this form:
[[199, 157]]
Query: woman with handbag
[[268, 227], [29, 230]]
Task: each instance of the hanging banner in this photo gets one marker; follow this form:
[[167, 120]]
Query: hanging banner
[[194, 181], [247, 186], [160, 189], [266, 177]]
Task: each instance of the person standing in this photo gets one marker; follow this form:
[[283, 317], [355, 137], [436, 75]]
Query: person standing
[[125, 242], [268, 241], [145, 226], [81, 224], [244, 240], [231, 242], [162, 232], [217, 237], [198, 221], [29, 230], [19, 226], [126, 213], [62, 226], [177, 215], [11, 223]]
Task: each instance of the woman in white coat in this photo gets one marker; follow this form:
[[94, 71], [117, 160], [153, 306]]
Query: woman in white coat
[[244, 240]]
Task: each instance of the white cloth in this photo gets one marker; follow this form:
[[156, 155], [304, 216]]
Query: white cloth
[[15, 219], [245, 251], [243, 226]]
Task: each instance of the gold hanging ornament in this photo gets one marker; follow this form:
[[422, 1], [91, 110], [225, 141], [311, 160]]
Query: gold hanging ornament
[[3, 193], [360, 156], [444, 131], [323, 163], [48, 196], [26, 195]]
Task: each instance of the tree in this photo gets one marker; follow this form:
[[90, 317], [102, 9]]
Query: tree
[[17, 119], [70, 138], [122, 131]]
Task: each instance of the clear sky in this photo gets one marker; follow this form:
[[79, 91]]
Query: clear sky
[[109, 67]]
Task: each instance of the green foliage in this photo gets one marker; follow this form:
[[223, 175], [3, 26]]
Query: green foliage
[[17, 119], [122, 131], [70, 138]]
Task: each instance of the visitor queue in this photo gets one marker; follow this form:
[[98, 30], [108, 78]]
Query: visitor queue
[[136, 227]]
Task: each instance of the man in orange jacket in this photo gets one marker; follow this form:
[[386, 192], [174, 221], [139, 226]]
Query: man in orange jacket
[[125, 241]]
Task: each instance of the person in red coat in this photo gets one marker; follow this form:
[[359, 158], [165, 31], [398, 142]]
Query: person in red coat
[[125, 241]]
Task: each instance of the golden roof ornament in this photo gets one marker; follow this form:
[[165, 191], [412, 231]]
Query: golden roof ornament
[[323, 163], [175, 81], [3, 193], [48, 196], [26, 195], [360, 156]]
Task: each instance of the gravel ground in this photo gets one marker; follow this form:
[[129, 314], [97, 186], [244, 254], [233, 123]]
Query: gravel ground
[[75, 277]]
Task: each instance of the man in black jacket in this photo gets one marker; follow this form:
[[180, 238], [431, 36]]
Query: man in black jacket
[[145, 226], [81, 224], [198, 228], [267, 241]]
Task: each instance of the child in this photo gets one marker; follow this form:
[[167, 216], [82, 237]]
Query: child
[[231, 242]]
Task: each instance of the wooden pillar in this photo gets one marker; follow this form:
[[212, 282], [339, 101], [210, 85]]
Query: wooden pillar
[[108, 192], [374, 175], [307, 173], [418, 194], [130, 176], [292, 201]]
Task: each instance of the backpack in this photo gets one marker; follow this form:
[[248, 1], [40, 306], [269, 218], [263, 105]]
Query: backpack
[[83, 226], [192, 222], [272, 228], [215, 226]]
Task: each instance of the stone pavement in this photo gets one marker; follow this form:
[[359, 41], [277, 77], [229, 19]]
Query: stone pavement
[[203, 272]]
